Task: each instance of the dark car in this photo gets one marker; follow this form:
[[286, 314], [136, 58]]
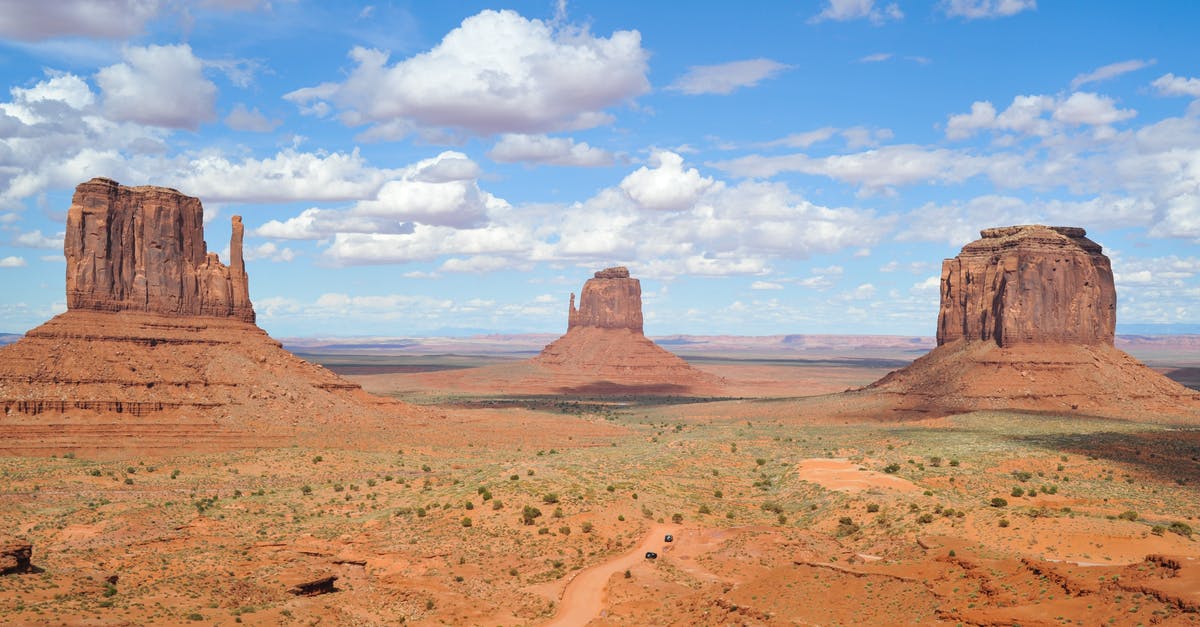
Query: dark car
[[669, 538], [651, 555]]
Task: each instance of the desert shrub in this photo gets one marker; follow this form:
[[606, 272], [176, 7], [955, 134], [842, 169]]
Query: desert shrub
[[370, 483], [1018, 491], [954, 462], [611, 488], [677, 518], [1181, 528], [586, 527], [529, 513], [846, 526], [999, 502], [935, 461], [1003, 522], [628, 574], [426, 468], [306, 490], [872, 508], [729, 515], [892, 469], [704, 509], [558, 513], [542, 531], [1022, 475], [1050, 489], [513, 477], [564, 530], [337, 487], [95, 472], [782, 519], [466, 522], [469, 505], [647, 512], [925, 518], [487, 495], [128, 480], [760, 461], [497, 504], [718, 494], [421, 512], [550, 498], [318, 459], [773, 507]]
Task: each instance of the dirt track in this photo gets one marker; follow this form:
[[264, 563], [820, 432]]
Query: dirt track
[[583, 598]]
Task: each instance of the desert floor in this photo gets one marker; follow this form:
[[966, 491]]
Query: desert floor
[[512, 510]]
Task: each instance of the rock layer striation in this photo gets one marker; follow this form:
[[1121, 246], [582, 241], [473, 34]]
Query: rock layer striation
[[1028, 284], [143, 249]]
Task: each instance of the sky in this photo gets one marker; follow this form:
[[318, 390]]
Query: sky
[[452, 168]]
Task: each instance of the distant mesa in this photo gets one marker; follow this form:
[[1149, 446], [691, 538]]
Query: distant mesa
[[1027, 322], [610, 300], [158, 349]]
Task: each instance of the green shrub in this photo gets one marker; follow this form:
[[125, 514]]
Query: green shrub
[[999, 502], [550, 498], [529, 513], [892, 468]]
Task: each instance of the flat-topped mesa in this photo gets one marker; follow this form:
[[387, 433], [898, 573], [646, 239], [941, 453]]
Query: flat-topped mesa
[[610, 300], [1028, 284], [142, 249]]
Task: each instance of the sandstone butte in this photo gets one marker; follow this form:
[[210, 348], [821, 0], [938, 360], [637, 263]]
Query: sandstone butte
[[604, 352], [1027, 322], [158, 349]]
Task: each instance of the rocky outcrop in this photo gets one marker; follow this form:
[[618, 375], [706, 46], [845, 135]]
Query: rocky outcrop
[[1028, 284], [158, 350], [15, 556], [143, 249], [1026, 322], [610, 300], [605, 350]]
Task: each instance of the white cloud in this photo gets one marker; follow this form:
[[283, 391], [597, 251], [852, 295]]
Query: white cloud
[[666, 186], [977, 9], [252, 120], [876, 58], [496, 73], [35, 239], [1110, 71], [931, 284], [805, 139], [899, 164], [1171, 85], [765, 285], [268, 251], [726, 78], [22, 20], [477, 265], [1093, 109], [158, 85], [845, 10], [12, 262], [1025, 115], [959, 223], [513, 148]]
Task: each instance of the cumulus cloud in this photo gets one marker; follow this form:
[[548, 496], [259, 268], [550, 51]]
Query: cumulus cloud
[[1171, 85], [978, 9], [22, 20], [960, 222], [12, 262], [540, 149], [252, 120], [1110, 71], [158, 85], [665, 186], [894, 165], [1026, 115], [726, 78], [498, 72], [268, 251], [35, 239], [846, 10], [765, 285]]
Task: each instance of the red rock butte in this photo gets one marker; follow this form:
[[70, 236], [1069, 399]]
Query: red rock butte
[[1026, 322], [158, 349]]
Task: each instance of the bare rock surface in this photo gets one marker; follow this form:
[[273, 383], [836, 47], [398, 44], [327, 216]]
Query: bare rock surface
[[1028, 284], [15, 556], [143, 249]]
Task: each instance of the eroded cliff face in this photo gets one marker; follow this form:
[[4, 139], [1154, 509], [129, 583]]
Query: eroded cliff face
[[143, 249], [1028, 284], [610, 300]]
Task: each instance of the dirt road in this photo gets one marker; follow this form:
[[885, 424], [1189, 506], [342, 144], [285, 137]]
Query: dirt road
[[583, 598]]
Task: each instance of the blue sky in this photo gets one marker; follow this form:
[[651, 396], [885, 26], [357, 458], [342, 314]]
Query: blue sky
[[423, 168]]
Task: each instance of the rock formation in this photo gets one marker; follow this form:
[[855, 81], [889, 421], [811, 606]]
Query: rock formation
[[158, 349], [610, 300], [606, 351], [1028, 285], [1026, 322], [143, 249], [15, 556]]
